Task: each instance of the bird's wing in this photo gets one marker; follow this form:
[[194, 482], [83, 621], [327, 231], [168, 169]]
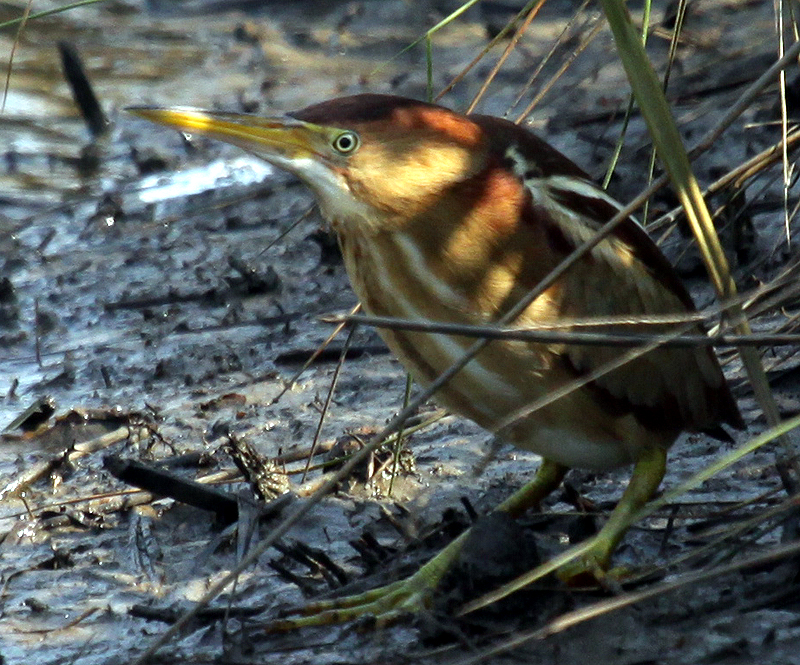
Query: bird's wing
[[626, 275]]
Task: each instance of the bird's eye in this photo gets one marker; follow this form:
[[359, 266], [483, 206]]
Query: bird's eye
[[345, 143]]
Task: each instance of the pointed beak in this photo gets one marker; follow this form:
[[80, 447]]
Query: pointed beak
[[281, 140]]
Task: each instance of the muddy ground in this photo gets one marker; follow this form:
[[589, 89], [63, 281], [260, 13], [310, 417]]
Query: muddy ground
[[160, 294]]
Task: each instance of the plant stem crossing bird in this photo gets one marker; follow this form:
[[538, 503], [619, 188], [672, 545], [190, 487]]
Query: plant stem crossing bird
[[449, 217]]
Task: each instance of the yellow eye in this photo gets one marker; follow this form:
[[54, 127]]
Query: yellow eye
[[346, 142]]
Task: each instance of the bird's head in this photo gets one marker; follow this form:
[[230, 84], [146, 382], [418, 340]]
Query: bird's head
[[371, 160]]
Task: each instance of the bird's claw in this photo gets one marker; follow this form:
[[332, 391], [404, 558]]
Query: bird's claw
[[377, 608], [585, 570], [591, 571], [385, 605]]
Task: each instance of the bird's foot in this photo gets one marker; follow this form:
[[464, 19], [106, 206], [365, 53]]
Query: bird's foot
[[591, 571], [376, 608], [585, 571], [382, 606]]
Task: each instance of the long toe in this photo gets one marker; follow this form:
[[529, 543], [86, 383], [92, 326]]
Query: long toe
[[381, 607], [590, 571]]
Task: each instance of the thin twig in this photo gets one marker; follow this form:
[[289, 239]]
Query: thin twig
[[328, 398], [507, 52], [532, 334]]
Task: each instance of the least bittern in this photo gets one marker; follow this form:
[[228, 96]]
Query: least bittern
[[450, 217]]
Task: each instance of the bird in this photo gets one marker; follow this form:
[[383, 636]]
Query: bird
[[450, 217]]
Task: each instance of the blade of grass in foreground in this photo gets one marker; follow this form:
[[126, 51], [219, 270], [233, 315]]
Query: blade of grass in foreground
[[650, 96]]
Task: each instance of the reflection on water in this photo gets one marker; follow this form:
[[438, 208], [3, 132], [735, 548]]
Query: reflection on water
[[217, 174]]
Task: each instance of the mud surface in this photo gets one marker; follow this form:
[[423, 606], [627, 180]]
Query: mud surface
[[160, 294]]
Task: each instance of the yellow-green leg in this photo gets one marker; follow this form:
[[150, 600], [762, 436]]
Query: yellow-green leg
[[647, 475], [388, 603]]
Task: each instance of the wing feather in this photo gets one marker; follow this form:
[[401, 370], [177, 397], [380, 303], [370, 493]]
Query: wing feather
[[625, 275]]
